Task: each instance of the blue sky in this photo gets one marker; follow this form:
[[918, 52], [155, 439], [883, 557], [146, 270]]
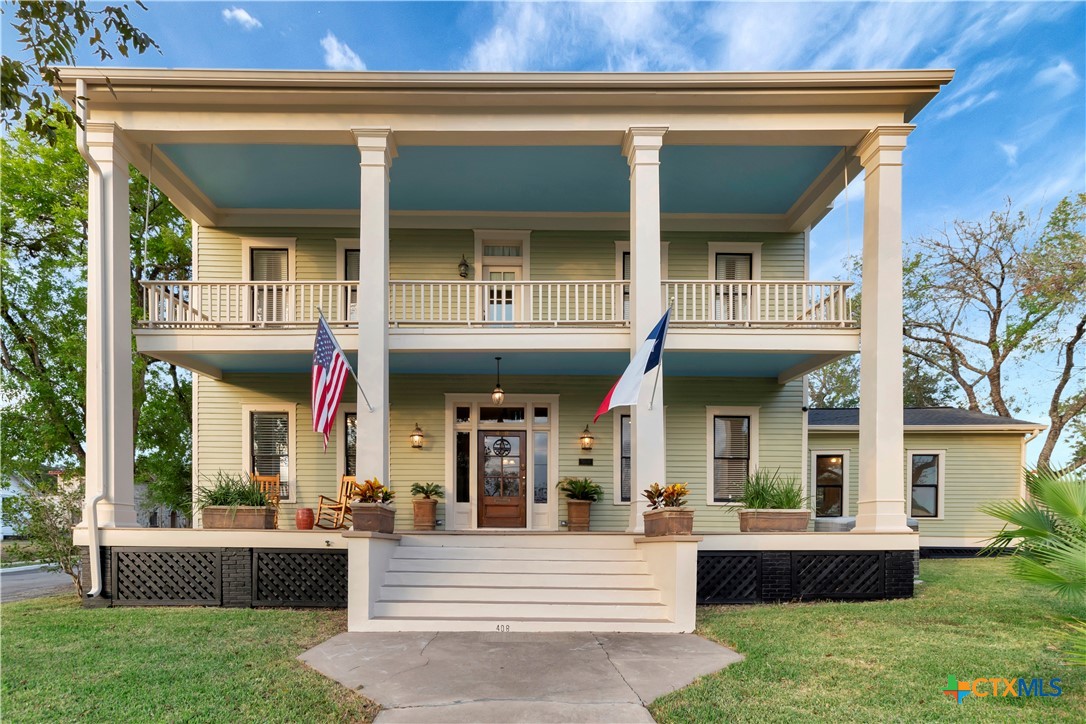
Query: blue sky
[[1012, 124]]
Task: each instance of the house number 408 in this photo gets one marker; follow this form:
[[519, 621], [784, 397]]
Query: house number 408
[[503, 628]]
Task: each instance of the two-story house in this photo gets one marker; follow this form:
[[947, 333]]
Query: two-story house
[[441, 221]]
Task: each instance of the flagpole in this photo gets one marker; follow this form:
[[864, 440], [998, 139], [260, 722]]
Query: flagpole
[[660, 366], [349, 368]]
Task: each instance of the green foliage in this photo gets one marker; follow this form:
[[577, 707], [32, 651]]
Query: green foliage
[[1074, 643], [428, 490], [1049, 533], [672, 496], [580, 489], [50, 31], [229, 489], [766, 490], [373, 491], [44, 512], [43, 261]]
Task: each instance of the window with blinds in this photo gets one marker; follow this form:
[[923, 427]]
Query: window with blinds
[[625, 458], [733, 267], [269, 302], [731, 456], [501, 250], [270, 445]]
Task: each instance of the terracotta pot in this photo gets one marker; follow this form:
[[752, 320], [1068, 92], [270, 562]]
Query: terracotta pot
[[376, 517], [773, 521], [579, 513], [425, 513], [248, 517], [669, 521], [303, 519]]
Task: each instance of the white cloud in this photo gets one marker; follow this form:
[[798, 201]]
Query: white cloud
[[338, 55], [1011, 151], [240, 17], [1061, 77]]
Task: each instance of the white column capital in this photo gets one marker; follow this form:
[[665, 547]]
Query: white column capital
[[108, 143], [883, 145], [643, 138], [377, 146]]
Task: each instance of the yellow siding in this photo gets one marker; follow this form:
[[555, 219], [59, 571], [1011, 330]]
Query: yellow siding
[[561, 255], [429, 253], [421, 399], [688, 254], [979, 468]]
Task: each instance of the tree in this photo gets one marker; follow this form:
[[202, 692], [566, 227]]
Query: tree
[[838, 385], [49, 31], [43, 260], [44, 513], [984, 298]]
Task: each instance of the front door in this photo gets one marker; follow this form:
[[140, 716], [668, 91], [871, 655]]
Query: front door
[[502, 479]]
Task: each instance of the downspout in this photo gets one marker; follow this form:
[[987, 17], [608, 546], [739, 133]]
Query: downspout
[[90, 514]]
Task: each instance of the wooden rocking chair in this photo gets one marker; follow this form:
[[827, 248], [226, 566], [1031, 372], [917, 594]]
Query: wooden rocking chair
[[335, 513], [270, 486]]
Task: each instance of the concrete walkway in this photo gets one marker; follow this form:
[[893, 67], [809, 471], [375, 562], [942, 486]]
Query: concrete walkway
[[492, 677]]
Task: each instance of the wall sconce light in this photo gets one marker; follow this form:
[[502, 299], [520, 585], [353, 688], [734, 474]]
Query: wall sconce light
[[498, 395], [587, 440], [417, 437], [463, 267]]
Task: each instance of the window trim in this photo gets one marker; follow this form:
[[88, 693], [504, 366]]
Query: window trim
[[506, 236], [940, 484], [712, 411], [343, 245], [616, 455], [754, 248], [292, 442], [345, 408], [842, 453], [248, 243]]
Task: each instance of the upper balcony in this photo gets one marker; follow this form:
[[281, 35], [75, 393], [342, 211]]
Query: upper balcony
[[742, 328]]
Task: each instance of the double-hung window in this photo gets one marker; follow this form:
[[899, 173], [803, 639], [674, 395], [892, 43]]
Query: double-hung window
[[829, 485], [731, 446], [269, 448], [925, 484]]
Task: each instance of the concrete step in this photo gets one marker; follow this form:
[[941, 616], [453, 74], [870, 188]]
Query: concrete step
[[491, 565], [520, 625], [497, 612], [533, 554], [518, 580], [579, 541], [519, 594]]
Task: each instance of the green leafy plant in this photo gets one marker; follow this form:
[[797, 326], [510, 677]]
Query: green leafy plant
[[428, 490], [230, 489], [1048, 533], [372, 491], [671, 496], [44, 512], [770, 490], [580, 489]]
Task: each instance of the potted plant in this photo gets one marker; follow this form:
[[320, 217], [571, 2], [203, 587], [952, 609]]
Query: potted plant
[[234, 501], [666, 514], [580, 494], [426, 506], [370, 509], [772, 503]]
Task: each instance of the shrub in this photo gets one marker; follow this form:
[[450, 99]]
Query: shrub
[[372, 491], [44, 513], [765, 490], [428, 490], [230, 489], [580, 489], [672, 496]]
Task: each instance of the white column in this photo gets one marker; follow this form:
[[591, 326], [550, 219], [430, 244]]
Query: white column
[[110, 443], [882, 485], [641, 147], [377, 149]]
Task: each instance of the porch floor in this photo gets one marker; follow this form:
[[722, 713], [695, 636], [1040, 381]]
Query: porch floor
[[510, 677]]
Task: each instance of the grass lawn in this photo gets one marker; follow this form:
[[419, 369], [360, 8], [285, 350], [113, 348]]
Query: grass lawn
[[64, 663], [888, 660]]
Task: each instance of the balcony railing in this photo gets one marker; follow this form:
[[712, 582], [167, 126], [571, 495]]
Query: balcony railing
[[493, 304], [759, 303]]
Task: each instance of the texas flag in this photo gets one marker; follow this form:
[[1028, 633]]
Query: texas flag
[[628, 387]]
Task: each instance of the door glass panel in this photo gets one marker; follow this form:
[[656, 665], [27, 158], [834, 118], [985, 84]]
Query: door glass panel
[[501, 465], [463, 467], [500, 296], [539, 471]]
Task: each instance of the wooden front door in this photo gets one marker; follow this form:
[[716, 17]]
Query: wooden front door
[[503, 501]]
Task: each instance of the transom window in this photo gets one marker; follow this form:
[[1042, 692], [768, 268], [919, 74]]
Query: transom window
[[731, 456], [501, 250], [925, 476]]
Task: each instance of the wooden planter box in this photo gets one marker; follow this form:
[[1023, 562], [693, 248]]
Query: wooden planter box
[[578, 514], [425, 513], [376, 517], [249, 517], [773, 521], [669, 521]]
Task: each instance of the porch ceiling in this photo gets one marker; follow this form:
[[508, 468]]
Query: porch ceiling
[[694, 179]]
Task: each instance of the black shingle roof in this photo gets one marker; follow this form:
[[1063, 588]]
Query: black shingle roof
[[935, 416]]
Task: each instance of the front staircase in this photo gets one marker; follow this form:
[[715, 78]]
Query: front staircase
[[518, 583]]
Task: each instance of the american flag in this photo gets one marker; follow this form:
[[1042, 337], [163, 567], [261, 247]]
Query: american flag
[[330, 369]]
